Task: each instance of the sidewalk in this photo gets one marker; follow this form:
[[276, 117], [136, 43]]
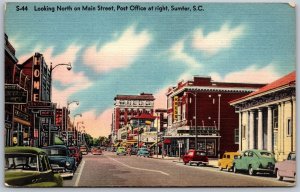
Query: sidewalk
[[213, 162]]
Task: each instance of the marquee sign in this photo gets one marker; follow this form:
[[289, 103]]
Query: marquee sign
[[175, 106], [36, 78], [15, 94]]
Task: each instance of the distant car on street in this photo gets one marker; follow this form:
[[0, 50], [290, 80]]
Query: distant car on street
[[74, 152], [83, 149], [255, 161], [143, 152], [29, 166], [132, 151], [198, 157], [227, 161], [286, 168], [121, 151], [96, 151], [60, 160]]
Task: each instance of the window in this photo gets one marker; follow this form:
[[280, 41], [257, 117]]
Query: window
[[236, 136], [243, 131], [275, 118], [228, 157], [289, 127]]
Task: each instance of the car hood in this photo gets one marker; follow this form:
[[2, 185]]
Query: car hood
[[60, 160]]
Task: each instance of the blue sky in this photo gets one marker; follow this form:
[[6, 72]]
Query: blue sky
[[132, 51]]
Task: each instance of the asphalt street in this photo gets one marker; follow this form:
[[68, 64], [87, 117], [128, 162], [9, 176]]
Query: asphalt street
[[110, 170]]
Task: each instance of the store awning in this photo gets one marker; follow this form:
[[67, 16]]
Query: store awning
[[18, 120], [116, 144], [133, 141], [58, 141]]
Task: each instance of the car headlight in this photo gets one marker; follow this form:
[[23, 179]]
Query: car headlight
[[68, 163]]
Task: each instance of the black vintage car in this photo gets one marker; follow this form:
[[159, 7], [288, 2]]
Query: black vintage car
[[29, 167], [60, 160]]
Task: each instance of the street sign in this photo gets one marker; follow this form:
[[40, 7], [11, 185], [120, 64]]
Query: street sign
[[15, 94], [46, 113]]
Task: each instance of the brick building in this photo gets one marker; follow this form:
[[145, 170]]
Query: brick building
[[128, 106], [203, 103]]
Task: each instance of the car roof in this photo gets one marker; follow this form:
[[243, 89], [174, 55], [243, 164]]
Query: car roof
[[23, 149], [55, 146]]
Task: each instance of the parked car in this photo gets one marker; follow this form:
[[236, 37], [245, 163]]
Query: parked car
[[83, 149], [133, 151], [96, 151], [227, 161], [286, 168], [121, 151], [195, 157], [60, 160], [143, 152], [74, 152], [255, 161], [29, 166]]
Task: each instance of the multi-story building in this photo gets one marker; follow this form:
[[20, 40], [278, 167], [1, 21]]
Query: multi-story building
[[17, 116], [199, 116], [267, 117], [128, 106]]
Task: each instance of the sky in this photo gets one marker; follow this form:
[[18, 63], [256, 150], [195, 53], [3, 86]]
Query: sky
[[130, 52]]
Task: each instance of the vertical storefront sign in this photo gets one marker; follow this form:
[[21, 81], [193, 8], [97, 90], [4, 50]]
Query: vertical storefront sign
[[175, 107], [36, 79]]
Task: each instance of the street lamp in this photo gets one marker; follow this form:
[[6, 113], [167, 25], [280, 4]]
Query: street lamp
[[195, 95], [80, 122], [73, 130], [69, 67]]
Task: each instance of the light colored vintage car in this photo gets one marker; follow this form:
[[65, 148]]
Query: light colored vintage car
[[286, 168]]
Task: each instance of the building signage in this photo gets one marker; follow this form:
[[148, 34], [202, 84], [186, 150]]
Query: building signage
[[15, 94], [175, 106], [8, 125], [21, 115], [36, 79], [39, 105], [46, 113]]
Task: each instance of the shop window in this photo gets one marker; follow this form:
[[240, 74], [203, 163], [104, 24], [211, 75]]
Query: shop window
[[236, 136], [289, 127]]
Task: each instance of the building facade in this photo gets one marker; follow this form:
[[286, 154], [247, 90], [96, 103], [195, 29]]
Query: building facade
[[128, 106], [199, 116], [267, 117]]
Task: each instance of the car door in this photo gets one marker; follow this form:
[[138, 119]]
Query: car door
[[244, 161], [290, 166], [45, 169]]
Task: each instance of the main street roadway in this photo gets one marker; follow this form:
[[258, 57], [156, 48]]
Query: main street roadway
[[110, 170]]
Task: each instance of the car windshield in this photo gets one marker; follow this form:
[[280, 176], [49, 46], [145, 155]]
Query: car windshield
[[56, 152], [72, 151], [266, 154], [21, 161], [292, 156], [200, 153]]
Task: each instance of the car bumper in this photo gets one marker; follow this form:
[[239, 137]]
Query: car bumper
[[265, 170], [67, 174], [201, 162]]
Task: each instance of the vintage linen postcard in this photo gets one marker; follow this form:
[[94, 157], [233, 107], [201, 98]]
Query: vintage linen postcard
[[115, 94]]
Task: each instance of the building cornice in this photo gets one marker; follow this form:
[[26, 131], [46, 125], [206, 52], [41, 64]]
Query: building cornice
[[213, 89]]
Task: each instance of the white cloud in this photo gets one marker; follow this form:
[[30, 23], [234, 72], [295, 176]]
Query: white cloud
[[119, 53], [177, 53], [161, 99], [216, 40], [97, 125], [252, 74]]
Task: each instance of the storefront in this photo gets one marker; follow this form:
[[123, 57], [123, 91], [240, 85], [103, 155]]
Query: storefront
[[21, 128]]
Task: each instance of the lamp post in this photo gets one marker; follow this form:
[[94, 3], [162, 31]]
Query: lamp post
[[69, 67], [69, 103], [80, 122], [73, 130], [195, 95], [219, 119]]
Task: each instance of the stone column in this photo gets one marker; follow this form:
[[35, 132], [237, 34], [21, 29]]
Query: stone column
[[240, 131], [269, 130], [260, 130], [251, 130]]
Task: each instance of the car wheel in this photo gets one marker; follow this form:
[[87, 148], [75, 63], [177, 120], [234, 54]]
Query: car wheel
[[234, 169], [198, 164], [251, 171], [280, 178], [228, 168], [184, 163], [190, 163], [220, 168]]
